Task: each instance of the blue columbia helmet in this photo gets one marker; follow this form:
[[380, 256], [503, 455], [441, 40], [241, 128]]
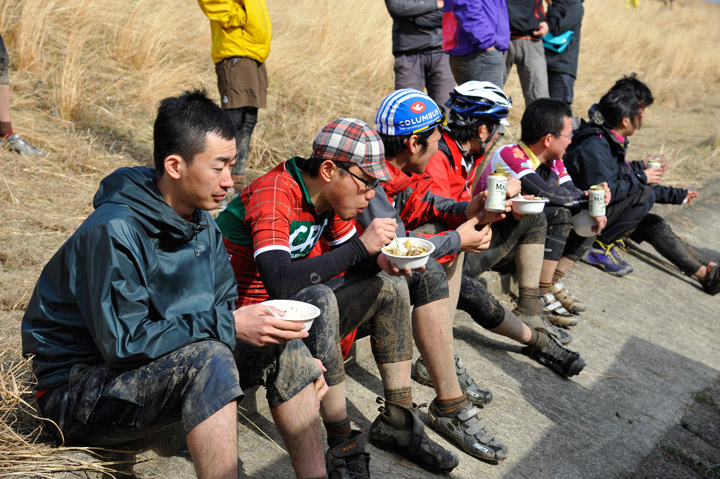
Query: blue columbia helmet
[[478, 101]]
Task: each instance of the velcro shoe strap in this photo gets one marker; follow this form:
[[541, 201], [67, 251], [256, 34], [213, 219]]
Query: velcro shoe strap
[[468, 413]]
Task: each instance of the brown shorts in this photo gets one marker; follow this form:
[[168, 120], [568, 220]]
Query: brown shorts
[[242, 82]]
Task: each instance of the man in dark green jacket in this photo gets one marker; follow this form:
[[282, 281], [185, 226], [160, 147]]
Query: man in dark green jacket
[[131, 323]]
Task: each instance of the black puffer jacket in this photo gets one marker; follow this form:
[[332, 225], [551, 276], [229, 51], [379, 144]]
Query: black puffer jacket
[[417, 26], [564, 15], [595, 155], [134, 282]]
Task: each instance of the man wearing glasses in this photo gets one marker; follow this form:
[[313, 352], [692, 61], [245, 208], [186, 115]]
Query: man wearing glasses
[[537, 162], [272, 232], [409, 124]]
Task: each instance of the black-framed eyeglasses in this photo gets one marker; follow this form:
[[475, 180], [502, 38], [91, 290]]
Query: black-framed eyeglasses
[[557, 133], [370, 184]]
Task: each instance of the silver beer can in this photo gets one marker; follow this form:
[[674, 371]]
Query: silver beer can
[[497, 191], [654, 163], [597, 201]]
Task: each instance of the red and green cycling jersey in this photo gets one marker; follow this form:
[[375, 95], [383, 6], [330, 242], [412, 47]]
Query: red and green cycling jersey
[[275, 216]]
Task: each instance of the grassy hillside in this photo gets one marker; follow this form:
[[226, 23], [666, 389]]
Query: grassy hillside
[[86, 81]]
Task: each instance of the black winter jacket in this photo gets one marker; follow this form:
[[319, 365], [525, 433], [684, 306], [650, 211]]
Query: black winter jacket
[[417, 26], [595, 155], [134, 282], [564, 15], [525, 16]]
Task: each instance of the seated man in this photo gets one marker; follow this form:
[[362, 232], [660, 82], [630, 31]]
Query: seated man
[[536, 161], [270, 230], [131, 323], [475, 112], [598, 152], [408, 123]]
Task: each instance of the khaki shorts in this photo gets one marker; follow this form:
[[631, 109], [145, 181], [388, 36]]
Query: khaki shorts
[[242, 82]]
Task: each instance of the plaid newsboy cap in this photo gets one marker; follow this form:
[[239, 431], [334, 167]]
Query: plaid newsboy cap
[[353, 141]]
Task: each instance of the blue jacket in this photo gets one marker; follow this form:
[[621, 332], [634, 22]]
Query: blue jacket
[[134, 282], [475, 25]]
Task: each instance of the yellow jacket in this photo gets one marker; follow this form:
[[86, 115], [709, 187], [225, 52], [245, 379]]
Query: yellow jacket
[[240, 28]]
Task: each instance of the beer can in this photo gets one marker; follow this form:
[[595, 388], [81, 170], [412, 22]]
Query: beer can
[[497, 188], [597, 201], [654, 163]]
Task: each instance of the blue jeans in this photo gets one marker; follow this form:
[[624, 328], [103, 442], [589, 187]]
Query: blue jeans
[[484, 65]]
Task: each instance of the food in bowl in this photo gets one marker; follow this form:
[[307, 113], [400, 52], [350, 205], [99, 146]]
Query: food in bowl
[[406, 248], [410, 253], [295, 311], [528, 206]]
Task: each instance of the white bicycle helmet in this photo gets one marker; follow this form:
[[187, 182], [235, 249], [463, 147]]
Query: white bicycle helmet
[[476, 101]]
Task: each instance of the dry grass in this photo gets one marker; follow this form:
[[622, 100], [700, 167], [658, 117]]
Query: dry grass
[[25, 448], [86, 81]]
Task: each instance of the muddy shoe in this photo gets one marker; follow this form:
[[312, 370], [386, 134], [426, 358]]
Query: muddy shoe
[[711, 283], [540, 323], [566, 299], [557, 357], [554, 311], [348, 459], [468, 431], [475, 393], [17, 144], [411, 441]]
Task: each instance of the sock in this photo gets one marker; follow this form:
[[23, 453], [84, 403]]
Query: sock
[[448, 406], [397, 403], [529, 301], [557, 276], [338, 432], [545, 287], [400, 396], [5, 129], [538, 340]]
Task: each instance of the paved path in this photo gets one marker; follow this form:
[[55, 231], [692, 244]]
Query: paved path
[[650, 340]]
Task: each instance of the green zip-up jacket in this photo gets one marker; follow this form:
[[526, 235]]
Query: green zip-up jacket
[[134, 282]]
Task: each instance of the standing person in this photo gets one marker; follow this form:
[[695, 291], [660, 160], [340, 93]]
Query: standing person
[[475, 35], [271, 229], [598, 153], [417, 46], [241, 35], [526, 51], [13, 141], [132, 326], [563, 16]]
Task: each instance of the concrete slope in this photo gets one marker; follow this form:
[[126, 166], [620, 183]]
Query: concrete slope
[[650, 341]]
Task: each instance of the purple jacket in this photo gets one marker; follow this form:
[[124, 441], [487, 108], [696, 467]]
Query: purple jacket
[[474, 25]]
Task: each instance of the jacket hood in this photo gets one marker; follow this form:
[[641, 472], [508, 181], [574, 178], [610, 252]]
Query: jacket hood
[[135, 188]]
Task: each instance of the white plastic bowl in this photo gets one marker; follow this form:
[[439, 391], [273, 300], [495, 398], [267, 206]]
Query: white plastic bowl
[[522, 206], [583, 223], [412, 262], [295, 311]]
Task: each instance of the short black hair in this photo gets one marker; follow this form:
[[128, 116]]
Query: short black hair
[[311, 166], [465, 133], [395, 144], [618, 104], [182, 125], [639, 89], [543, 116]]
